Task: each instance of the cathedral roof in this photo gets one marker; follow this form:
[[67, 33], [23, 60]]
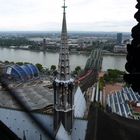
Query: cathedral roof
[[34, 97], [79, 104], [62, 134], [18, 122], [78, 131]]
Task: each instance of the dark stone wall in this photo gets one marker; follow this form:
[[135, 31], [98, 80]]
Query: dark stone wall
[[133, 56], [109, 126]]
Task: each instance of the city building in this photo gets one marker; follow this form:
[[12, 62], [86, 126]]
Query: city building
[[122, 48], [44, 44], [21, 73], [119, 38], [125, 103]]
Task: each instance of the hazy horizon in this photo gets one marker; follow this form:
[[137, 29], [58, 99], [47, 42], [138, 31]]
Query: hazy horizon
[[82, 15], [68, 31]]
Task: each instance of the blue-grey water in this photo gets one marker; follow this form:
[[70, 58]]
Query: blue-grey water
[[48, 58]]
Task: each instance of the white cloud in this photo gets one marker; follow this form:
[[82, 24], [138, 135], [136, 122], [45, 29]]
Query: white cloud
[[47, 14]]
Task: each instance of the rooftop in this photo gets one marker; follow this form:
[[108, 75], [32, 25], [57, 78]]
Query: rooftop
[[35, 97], [18, 122]]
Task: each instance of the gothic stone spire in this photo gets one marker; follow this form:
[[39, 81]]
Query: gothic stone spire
[[63, 66], [63, 84]]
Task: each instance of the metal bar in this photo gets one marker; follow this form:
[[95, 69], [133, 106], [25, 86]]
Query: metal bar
[[21, 104]]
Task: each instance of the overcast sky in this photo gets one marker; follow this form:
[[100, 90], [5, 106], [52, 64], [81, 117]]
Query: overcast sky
[[82, 15]]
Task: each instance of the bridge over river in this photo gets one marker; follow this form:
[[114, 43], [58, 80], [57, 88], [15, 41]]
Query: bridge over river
[[92, 67]]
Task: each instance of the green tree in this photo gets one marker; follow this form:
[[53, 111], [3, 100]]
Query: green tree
[[113, 76], [26, 63], [20, 63], [77, 69], [53, 68], [6, 62], [12, 62], [39, 66], [47, 71], [101, 83]]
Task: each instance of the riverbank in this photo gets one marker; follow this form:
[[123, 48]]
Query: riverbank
[[51, 58], [47, 50], [105, 53], [114, 54]]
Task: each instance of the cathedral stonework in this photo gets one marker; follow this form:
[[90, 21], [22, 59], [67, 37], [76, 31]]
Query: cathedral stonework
[[63, 84]]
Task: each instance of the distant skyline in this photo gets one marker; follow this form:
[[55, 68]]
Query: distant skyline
[[82, 15]]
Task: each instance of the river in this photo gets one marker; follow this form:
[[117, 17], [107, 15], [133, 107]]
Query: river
[[48, 58]]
